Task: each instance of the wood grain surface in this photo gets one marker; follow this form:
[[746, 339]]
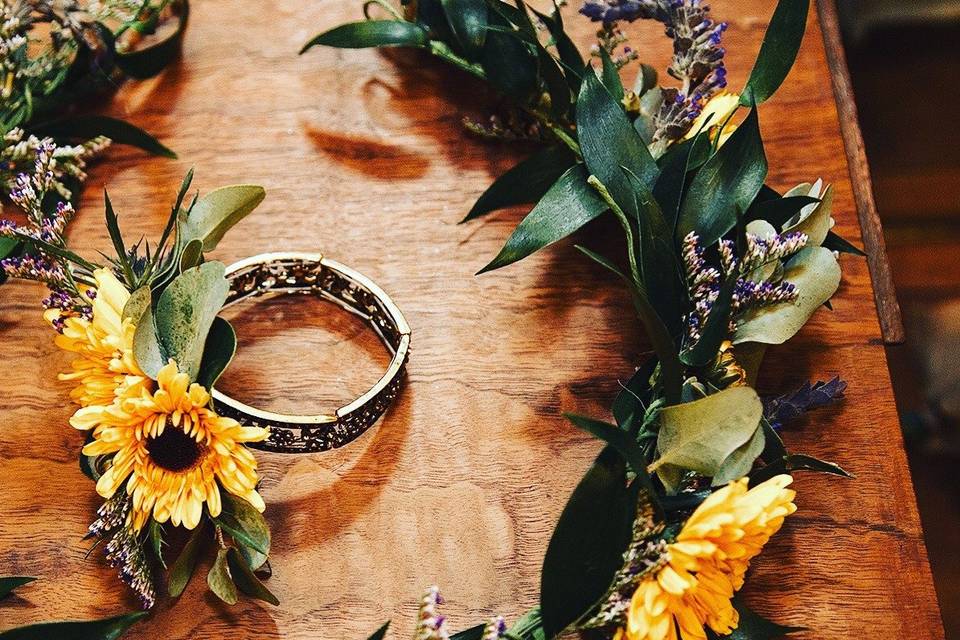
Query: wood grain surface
[[364, 158]]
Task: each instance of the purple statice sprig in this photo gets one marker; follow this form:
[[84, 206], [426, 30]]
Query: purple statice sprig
[[125, 549], [750, 291], [431, 625], [809, 396]]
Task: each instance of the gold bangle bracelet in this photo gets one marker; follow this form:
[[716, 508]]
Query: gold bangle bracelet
[[311, 274]]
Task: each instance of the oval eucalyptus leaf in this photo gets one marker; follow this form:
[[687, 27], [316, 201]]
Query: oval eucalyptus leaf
[[216, 212], [701, 435], [105, 629], [137, 304], [587, 546], [192, 254], [816, 274], [220, 581], [9, 583], [526, 182], [741, 461], [146, 347], [813, 219], [244, 523], [728, 182], [468, 22], [568, 205], [119, 131], [372, 33], [182, 568], [218, 351], [151, 60], [185, 312], [246, 581], [778, 52]]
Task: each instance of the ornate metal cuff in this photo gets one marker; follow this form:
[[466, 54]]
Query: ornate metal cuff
[[312, 274]]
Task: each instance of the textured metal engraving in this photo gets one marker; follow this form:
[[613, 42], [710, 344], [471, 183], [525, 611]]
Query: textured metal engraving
[[311, 274]]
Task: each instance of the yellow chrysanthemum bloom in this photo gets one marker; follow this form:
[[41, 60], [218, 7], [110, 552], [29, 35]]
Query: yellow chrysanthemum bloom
[[105, 345], [707, 562], [173, 452], [717, 109]]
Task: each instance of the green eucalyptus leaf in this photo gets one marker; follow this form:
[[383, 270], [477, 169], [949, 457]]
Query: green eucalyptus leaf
[[728, 182], [380, 633], [147, 350], [701, 435], [600, 120], [587, 545], [568, 205], [372, 33], [105, 629], [468, 22], [525, 183], [246, 581], [244, 523], [218, 352], [9, 583], [220, 581], [191, 255], [216, 212], [816, 274], [182, 568], [119, 132], [185, 312], [137, 304], [151, 60], [753, 626], [813, 219], [741, 461], [778, 52]]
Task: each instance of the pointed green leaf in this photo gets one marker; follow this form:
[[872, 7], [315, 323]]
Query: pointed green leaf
[[9, 583], [244, 523], [185, 312], [726, 183], [587, 545], [509, 63], [701, 435], [468, 22], [525, 183], [567, 206], [836, 243], [623, 442], [609, 76], [570, 57], [753, 626], [380, 633], [372, 33], [119, 132], [182, 568], [220, 581], [216, 212], [778, 52], [247, 582], [816, 274], [105, 629]]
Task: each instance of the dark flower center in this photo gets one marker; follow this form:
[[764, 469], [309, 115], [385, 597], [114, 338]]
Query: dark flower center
[[174, 450]]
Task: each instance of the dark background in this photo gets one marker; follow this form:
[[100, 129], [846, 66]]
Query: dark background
[[904, 60]]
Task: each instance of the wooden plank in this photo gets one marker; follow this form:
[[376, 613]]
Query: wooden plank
[[884, 292], [364, 158]]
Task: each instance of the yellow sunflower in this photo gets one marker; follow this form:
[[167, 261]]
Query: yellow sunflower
[[105, 345], [173, 452], [707, 562]]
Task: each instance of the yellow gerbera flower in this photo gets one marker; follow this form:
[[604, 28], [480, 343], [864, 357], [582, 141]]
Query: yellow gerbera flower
[[105, 345], [718, 110], [707, 562], [173, 451]]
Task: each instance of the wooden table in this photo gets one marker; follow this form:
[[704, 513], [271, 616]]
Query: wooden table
[[363, 156]]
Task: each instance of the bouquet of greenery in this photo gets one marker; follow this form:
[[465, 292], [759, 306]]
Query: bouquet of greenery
[[656, 539]]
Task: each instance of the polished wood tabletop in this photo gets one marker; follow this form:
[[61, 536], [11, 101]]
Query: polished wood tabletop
[[364, 158]]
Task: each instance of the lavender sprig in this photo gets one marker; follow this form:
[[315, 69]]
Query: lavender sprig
[[125, 549], [431, 625], [790, 406]]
